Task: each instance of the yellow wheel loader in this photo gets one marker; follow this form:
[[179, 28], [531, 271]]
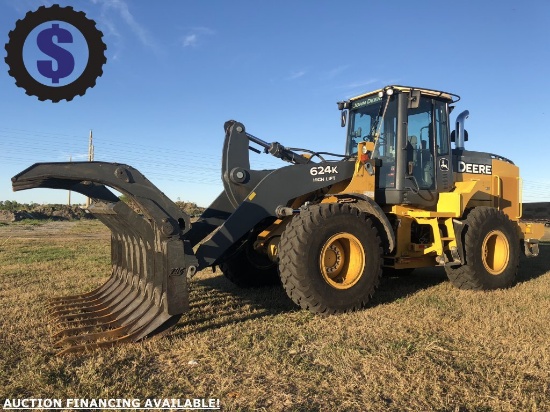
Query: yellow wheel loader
[[327, 226]]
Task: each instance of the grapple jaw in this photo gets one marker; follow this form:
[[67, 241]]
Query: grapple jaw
[[151, 260]]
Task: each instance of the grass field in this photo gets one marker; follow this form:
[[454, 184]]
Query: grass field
[[422, 345]]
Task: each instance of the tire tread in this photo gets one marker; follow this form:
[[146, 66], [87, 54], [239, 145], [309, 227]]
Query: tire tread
[[292, 255], [466, 276]]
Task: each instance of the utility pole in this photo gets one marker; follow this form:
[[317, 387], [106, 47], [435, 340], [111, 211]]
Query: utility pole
[[90, 158], [70, 160]]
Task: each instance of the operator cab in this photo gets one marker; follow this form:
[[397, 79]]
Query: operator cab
[[409, 128]]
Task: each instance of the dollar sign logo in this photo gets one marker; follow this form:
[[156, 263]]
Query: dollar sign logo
[[64, 58]]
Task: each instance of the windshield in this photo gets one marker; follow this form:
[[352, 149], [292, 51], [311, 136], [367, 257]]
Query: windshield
[[373, 117], [363, 116]]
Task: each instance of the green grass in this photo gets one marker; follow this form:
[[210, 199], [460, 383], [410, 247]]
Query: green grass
[[421, 345], [32, 222]]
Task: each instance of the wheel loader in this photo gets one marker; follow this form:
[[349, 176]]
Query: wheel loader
[[326, 226]]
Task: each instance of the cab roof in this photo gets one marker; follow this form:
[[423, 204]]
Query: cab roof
[[451, 97]]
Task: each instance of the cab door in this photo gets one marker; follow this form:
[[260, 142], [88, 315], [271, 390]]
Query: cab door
[[442, 147], [429, 166]]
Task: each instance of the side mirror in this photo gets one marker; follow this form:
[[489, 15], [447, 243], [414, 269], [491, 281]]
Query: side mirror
[[343, 117]]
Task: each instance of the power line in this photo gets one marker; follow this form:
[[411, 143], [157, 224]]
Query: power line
[[163, 163]]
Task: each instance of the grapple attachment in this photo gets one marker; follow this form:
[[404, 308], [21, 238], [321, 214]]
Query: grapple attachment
[[146, 293]]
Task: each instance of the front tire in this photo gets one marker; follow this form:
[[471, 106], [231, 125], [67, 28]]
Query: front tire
[[492, 251], [330, 258]]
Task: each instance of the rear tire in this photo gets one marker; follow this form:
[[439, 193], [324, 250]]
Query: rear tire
[[492, 250], [250, 269], [330, 258]]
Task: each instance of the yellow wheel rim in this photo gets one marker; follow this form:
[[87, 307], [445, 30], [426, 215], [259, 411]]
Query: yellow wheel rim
[[495, 252], [342, 260]]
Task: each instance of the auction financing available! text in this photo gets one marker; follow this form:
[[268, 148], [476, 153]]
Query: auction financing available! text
[[74, 403]]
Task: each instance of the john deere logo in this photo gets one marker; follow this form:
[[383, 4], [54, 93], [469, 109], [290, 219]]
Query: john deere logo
[[55, 53]]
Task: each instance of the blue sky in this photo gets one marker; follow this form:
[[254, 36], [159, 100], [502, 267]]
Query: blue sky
[[177, 70]]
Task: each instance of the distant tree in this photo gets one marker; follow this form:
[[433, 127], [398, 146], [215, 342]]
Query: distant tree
[[11, 205], [190, 208]]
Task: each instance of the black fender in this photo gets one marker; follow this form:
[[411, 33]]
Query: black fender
[[459, 226], [278, 188], [382, 223]]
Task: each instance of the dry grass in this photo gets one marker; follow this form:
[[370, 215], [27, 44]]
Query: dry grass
[[422, 345]]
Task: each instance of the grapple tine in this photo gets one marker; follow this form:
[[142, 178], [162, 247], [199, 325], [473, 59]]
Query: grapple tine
[[120, 322], [150, 256], [134, 321], [165, 327], [125, 302], [104, 290], [93, 346], [91, 337], [53, 306], [96, 345], [137, 321], [120, 301], [83, 329], [118, 314], [113, 319], [83, 297], [118, 292], [105, 297]]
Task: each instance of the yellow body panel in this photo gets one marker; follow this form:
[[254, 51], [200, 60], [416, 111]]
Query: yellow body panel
[[506, 188], [532, 230], [412, 255], [455, 201], [362, 182], [499, 189]]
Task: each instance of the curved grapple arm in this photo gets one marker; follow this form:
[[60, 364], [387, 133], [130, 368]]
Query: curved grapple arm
[[147, 290]]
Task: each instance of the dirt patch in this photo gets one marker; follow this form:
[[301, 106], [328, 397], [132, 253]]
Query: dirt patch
[[54, 229], [51, 212], [539, 211], [9, 216]]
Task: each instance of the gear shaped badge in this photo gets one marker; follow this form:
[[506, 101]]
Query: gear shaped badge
[[65, 60]]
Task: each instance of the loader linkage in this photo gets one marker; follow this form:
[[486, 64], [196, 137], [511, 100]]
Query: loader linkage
[[152, 250], [146, 293]]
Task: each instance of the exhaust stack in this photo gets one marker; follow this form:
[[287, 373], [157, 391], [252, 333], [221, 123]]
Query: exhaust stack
[[460, 132]]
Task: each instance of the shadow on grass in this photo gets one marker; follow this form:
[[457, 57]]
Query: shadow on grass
[[532, 268], [397, 287], [272, 298], [216, 302]]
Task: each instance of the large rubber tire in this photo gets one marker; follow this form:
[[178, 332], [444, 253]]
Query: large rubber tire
[[330, 258], [250, 269], [492, 250]]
